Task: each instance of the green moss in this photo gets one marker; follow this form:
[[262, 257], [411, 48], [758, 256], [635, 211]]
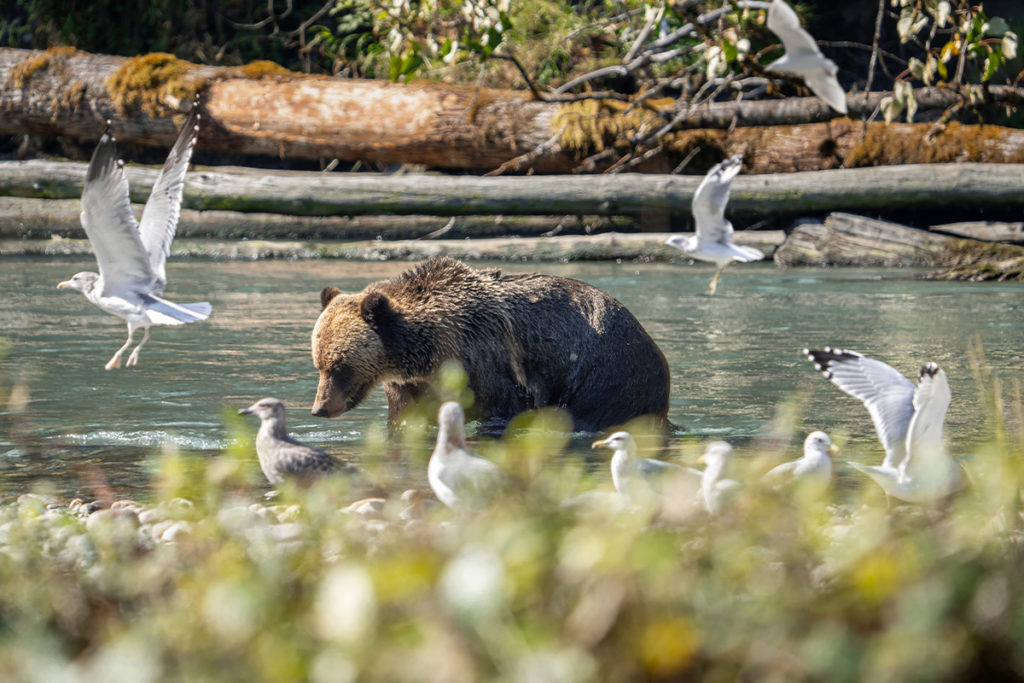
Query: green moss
[[263, 68], [885, 144], [976, 260], [151, 83], [55, 58]]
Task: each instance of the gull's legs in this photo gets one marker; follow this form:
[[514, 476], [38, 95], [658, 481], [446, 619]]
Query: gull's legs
[[134, 358], [115, 361], [714, 281]]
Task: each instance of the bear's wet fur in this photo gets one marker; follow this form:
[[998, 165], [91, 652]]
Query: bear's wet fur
[[525, 341]]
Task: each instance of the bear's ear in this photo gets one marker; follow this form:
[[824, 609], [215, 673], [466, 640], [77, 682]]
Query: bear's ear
[[326, 295], [375, 309]]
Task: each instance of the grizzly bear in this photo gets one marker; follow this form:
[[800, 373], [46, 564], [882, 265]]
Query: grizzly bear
[[525, 341]]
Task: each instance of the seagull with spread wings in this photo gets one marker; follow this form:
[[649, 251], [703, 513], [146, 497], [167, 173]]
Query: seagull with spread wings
[[803, 58], [909, 420], [131, 255], [713, 240]]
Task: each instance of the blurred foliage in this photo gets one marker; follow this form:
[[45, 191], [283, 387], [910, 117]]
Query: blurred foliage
[[225, 586]]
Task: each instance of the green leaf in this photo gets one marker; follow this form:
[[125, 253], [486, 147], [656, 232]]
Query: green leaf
[[729, 50], [992, 64]]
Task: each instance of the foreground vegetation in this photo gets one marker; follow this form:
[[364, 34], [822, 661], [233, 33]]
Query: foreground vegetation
[[210, 581]]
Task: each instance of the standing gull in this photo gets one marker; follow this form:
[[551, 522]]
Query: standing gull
[[713, 241], [633, 476], [459, 479], [131, 255], [908, 420], [717, 490], [814, 468], [281, 456], [803, 58]]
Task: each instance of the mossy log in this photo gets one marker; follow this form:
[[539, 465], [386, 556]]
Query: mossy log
[[950, 188], [261, 109]]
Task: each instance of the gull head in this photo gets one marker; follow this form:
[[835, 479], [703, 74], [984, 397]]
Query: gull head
[[819, 443], [452, 421], [619, 441], [682, 242], [83, 282], [265, 409], [716, 454]]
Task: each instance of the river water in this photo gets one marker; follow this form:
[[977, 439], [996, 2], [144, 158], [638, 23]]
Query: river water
[[735, 358]]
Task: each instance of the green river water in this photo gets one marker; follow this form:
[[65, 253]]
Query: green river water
[[734, 357]]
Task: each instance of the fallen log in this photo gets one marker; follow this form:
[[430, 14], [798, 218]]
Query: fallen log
[[29, 218], [261, 109], [645, 247], [948, 188]]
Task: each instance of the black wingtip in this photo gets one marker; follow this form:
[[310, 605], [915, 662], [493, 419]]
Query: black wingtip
[[928, 370]]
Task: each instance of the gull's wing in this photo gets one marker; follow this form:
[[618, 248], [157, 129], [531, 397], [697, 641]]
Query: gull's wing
[[931, 401], [888, 395], [783, 22], [109, 223], [824, 84], [710, 199], [160, 217]]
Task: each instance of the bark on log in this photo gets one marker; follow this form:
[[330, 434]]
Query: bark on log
[[986, 231], [258, 110], [951, 188]]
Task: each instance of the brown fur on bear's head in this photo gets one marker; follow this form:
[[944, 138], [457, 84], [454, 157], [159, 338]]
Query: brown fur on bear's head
[[349, 364]]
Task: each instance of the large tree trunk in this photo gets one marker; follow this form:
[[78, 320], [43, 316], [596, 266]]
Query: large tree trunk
[[261, 110]]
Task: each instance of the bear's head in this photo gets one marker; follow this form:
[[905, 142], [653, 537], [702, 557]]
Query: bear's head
[[348, 350], [361, 340]]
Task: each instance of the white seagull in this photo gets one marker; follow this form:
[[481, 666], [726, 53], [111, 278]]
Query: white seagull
[[131, 255], [803, 58], [814, 468], [459, 478], [908, 419], [716, 490], [713, 240], [633, 476]]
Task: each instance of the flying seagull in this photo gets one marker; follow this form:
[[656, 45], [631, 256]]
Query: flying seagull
[[131, 255], [281, 456], [634, 476], [713, 241], [908, 420], [803, 58], [460, 479]]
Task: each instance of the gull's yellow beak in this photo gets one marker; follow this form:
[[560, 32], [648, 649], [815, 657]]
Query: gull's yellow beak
[[702, 461], [599, 444], [64, 285], [833, 449]]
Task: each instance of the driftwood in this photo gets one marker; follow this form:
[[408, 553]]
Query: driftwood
[[264, 110], [951, 188], [29, 218], [986, 231], [849, 240], [644, 247]]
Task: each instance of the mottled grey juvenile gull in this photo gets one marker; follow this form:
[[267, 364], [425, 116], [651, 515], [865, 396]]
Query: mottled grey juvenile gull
[[460, 479], [281, 456], [803, 58], [909, 420], [131, 255], [813, 469], [633, 476], [713, 240]]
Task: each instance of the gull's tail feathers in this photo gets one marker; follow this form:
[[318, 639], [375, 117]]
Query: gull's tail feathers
[[164, 312], [747, 254]]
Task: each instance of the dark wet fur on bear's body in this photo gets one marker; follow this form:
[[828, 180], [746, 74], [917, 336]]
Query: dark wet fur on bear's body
[[526, 341]]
